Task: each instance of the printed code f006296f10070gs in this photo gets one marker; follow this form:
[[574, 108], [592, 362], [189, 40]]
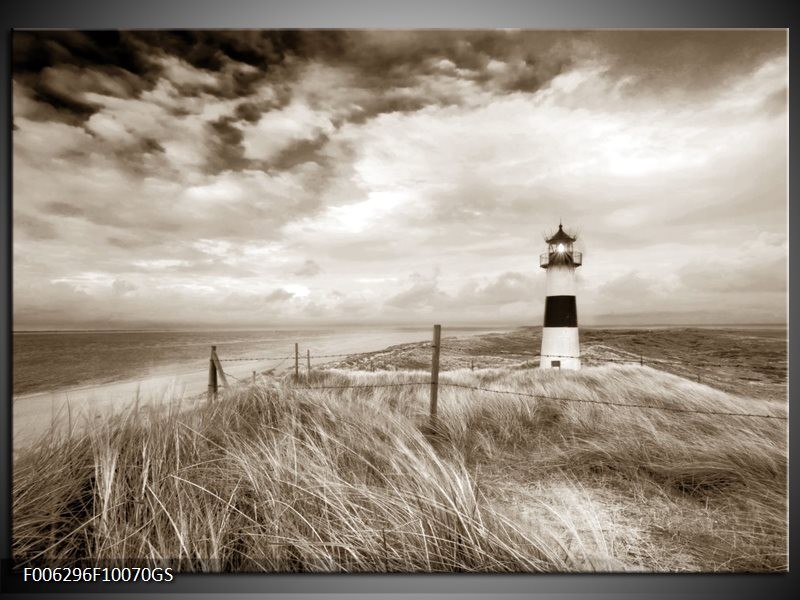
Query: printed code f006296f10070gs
[[112, 574]]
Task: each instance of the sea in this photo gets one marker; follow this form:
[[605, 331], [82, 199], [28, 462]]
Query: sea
[[55, 361]]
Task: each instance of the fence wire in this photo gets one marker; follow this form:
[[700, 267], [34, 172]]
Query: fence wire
[[246, 358], [536, 396], [359, 385], [346, 354], [644, 360], [633, 359], [621, 404], [640, 360]]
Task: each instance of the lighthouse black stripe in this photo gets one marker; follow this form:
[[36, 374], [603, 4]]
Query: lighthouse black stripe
[[560, 311]]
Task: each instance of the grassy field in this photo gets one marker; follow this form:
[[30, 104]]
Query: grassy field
[[752, 362], [271, 478]]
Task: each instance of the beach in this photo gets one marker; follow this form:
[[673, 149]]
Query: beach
[[155, 369]]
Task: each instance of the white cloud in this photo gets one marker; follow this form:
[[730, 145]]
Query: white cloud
[[162, 263], [110, 128], [41, 141], [179, 72], [277, 130]]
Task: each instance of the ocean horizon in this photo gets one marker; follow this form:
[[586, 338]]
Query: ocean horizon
[[54, 361]]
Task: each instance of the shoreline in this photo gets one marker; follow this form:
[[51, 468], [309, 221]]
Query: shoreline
[[33, 379], [36, 412], [33, 414]]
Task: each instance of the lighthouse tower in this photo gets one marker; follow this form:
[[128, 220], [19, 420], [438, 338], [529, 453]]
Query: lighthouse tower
[[560, 346]]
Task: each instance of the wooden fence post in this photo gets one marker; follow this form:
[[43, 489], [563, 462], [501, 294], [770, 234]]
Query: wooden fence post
[[212, 375], [308, 358], [296, 363], [641, 360], [218, 365], [254, 376], [437, 336]]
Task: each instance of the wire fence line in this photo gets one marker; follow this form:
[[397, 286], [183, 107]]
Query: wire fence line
[[538, 397], [247, 358], [640, 360], [434, 383], [623, 404], [250, 358], [634, 360], [590, 359], [358, 385], [347, 354]]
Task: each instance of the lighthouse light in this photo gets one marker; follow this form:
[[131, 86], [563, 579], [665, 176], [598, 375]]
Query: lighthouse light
[[561, 247]]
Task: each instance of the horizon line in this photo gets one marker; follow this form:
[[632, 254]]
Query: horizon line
[[397, 325]]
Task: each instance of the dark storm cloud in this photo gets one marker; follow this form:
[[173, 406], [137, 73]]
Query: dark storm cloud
[[300, 152], [400, 57], [264, 49], [518, 60], [71, 81], [250, 111], [61, 65], [34, 51], [390, 102], [227, 150]]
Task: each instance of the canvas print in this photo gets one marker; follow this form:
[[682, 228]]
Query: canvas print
[[401, 301]]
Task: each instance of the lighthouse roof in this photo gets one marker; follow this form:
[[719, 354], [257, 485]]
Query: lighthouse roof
[[560, 236]]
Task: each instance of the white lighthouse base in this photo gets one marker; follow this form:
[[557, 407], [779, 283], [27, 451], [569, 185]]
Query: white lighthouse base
[[560, 348]]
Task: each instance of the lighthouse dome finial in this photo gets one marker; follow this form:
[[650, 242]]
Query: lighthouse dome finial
[[560, 236]]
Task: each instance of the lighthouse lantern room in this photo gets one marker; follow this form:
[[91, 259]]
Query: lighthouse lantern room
[[560, 342]]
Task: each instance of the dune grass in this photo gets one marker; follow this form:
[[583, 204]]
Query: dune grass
[[271, 478]]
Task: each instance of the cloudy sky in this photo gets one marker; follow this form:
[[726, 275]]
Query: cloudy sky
[[268, 178]]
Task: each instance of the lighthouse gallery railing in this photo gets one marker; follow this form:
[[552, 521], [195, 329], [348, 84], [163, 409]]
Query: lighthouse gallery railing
[[544, 259]]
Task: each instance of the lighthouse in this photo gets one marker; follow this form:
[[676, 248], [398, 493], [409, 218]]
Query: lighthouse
[[560, 344]]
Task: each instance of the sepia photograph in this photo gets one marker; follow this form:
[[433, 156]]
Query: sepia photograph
[[400, 300]]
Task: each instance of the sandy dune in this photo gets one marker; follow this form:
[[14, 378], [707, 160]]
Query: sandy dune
[[34, 414]]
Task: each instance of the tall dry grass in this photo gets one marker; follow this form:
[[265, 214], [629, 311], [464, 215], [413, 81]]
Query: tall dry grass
[[270, 478]]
